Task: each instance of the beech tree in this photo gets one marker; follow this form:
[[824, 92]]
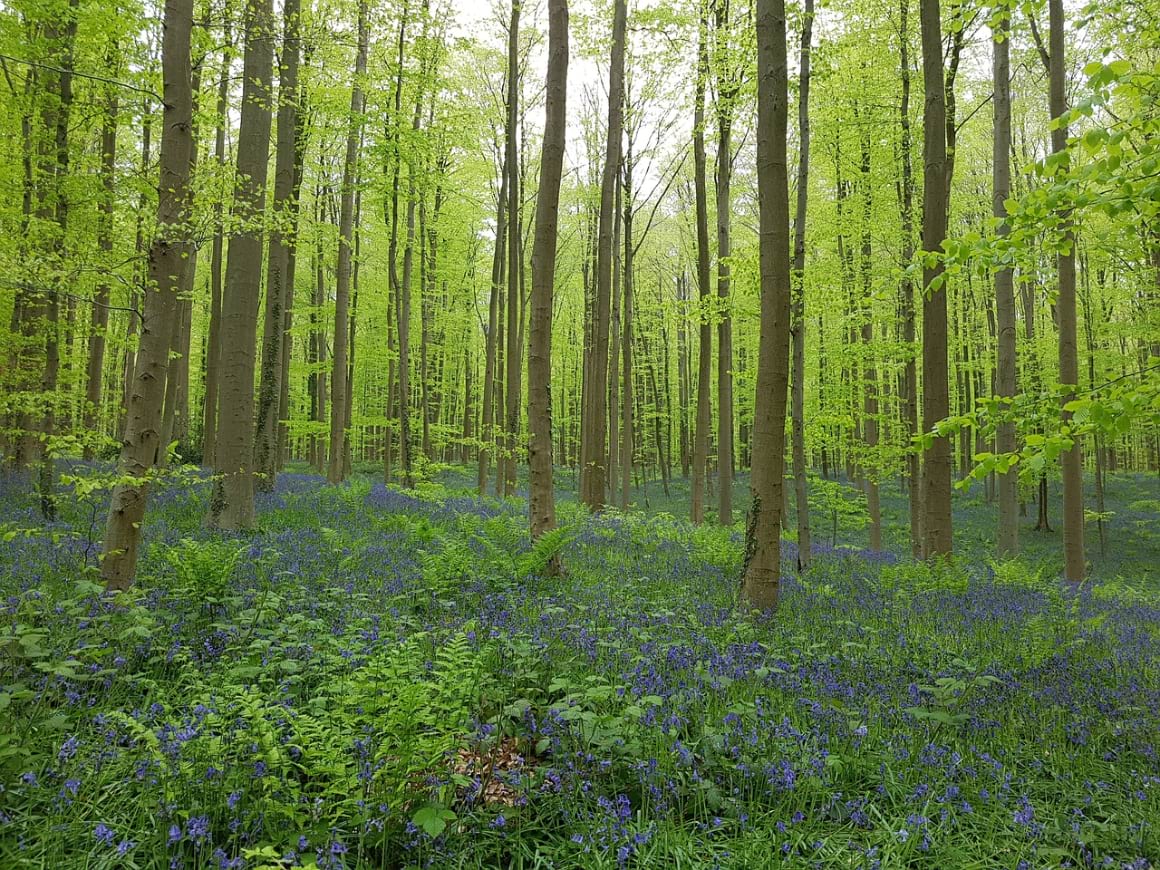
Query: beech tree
[[1007, 533], [936, 471], [340, 401], [283, 243], [763, 536], [594, 434], [167, 261], [1073, 511], [704, 317], [231, 504], [541, 499], [797, 313]]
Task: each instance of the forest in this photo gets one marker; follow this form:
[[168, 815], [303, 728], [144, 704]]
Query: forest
[[592, 434]]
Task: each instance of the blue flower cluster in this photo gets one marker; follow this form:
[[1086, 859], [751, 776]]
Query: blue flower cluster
[[353, 696]]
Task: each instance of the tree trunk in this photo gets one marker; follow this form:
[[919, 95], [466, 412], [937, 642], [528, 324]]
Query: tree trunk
[[595, 424], [176, 407], [139, 445], [936, 399], [231, 503], [626, 428], [172, 422], [614, 343], [100, 316], [487, 425], [541, 496], [797, 314], [300, 143], [906, 292], [213, 339], [352, 329], [1073, 514], [726, 94], [869, 371], [704, 313], [1007, 535], [283, 239], [763, 537], [318, 334], [683, 387], [338, 389], [396, 157], [513, 354], [54, 210]]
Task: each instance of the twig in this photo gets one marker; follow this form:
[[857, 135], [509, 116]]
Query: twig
[[83, 75]]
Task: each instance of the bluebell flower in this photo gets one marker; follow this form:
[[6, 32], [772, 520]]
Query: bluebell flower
[[104, 834], [197, 828]]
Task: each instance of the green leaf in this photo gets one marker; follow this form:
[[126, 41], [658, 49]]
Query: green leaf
[[433, 819]]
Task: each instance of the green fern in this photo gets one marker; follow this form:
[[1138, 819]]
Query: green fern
[[544, 550]]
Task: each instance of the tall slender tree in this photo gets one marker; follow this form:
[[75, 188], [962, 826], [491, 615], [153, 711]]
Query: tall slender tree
[[212, 366], [704, 315], [594, 436], [936, 473], [541, 497], [906, 287], [1073, 513], [869, 369], [283, 240], [762, 571], [139, 445], [514, 351], [797, 305], [727, 89], [339, 397], [487, 426], [1007, 534], [231, 504], [94, 374]]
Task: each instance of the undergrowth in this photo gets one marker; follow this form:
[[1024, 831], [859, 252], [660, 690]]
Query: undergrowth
[[388, 679]]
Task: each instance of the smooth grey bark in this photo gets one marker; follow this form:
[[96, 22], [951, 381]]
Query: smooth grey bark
[[487, 425], [906, 290], [1073, 513], [936, 474], [593, 440], [94, 373], [139, 445], [217, 255], [626, 424], [283, 239], [727, 88], [797, 303], [231, 504], [513, 352], [338, 381], [541, 497], [761, 576], [704, 314], [1007, 534], [869, 369]]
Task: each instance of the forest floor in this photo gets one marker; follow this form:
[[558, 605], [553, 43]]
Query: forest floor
[[385, 679]]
